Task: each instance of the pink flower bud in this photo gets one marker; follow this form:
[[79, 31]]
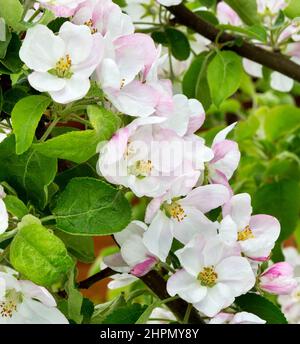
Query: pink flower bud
[[278, 279]]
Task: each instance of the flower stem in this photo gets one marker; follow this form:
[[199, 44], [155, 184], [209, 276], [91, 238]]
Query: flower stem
[[49, 129]]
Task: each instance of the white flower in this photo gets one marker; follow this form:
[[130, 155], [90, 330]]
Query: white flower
[[163, 316], [256, 235], [169, 2], [105, 17], [3, 212], [62, 64], [134, 257], [23, 302], [238, 318], [182, 218], [211, 277]]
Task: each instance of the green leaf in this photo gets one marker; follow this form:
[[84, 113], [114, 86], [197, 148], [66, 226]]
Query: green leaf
[[40, 256], [29, 174], [224, 75], [281, 120], [25, 118], [282, 200], [179, 44], [15, 206], [105, 309], [12, 96], [246, 9], [195, 84], [91, 207], [160, 37], [12, 62], [293, 9], [12, 11], [82, 247], [261, 307], [77, 146], [125, 315], [105, 122], [207, 16], [4, 44], [147, 313], [75, 300], [255, 32]]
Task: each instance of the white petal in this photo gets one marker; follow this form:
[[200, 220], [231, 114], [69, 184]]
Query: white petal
[[134, 251], [134, 228], [159, 236], [3, 217], [253, 68], [41, 49], [280, 82], [46, 82], [240, 210], [75, 89], [186, 286], [34, 291], [221, 136]]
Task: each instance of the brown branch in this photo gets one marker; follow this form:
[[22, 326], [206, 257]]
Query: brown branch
[[273, 60], [154, 281]]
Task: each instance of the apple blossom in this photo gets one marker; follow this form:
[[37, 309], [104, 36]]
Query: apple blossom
[[278, 279], [61, 8], [170, 2], [134, 257], [3, 212], [182, 218], [290, 305], [124, 59], [256, 235], [226, 158], [23, 302], [105, 17], [270, 7], [61, 64], [211, 277], [164, 316], [237, 318]]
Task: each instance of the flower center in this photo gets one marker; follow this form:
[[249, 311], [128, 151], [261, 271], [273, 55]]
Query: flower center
[[141, 168], [176, 211], [63, 68], [90, 24], [208, 277], [9, 305], [245, 234]]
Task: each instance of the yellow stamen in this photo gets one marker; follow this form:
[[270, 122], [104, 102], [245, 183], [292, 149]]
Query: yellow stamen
[[142, 168], [208, 277], [176, 211], [245, 234], [63, 67], [90, 24]]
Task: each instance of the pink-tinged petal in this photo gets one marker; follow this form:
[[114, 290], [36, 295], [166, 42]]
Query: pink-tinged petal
[[293, 49], [221, 318], [186, 286], [41, 49], [280, 82], [143, 268], [266, 226], [135, 99], [134, 251], [133, 53], [217, 177], [216, 299], [207, 197], [45, 82], [121, 280], [222, 149], [75, 89], [240, 209], [182, 185], [252, 68], [116, 262], [227, 15], [237, 274], [197, 116], [159, 236], [221, 136], [152, 209], [34, 291], [134, 228]]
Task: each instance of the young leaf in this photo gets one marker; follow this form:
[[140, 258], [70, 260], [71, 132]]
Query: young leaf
[[105, 122], [261, 307], [91, 207], [25, 118], [15, 206], [224, 75], [29, 174], [40, 256], [179, 44], [128, 314], [11, 11]]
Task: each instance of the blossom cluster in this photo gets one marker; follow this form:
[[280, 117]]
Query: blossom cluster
[[160, 156]]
